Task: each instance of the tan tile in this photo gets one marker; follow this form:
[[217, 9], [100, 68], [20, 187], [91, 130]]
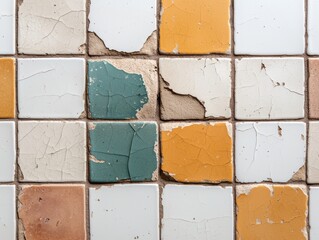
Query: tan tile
[[314, 88]]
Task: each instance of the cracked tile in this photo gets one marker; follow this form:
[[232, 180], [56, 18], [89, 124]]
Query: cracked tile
[[313, 27], [270, 151], [122, 89], [52, 27], [7, 26], [51, 88], [269, 88], [121, 151], [195, 88], [122, 26], [313, 153], [195, 27], [314, 212], [272, 212], [52, 212], [52, 151], [7, 152], [8, 212], [197, 152], [7, 88], [125, 211], [313, 88], [197, 212]]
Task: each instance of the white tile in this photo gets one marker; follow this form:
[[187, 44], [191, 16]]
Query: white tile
[[313, 27], [266, 27], [197, 212], [269, 151], [313, 153], [7, 26], [269, 88], [51, 88], [314, 212], [7, 151], [7, 212]]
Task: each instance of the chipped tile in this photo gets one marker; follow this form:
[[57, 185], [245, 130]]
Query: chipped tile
[[122, 151], [313, 27], [128, 211], [195, 88], [7, 88], [52, 212], [270, 151], [7, 27], [52, 27], [197, 212], [269, 88], [313, 153], [264, 27], [8, 212], [122, 89], [52, 151], [314, 212], [313, 87], [7, 152], [122, 26], [195, 27], [51, 88], [271, 212], [197, 152]]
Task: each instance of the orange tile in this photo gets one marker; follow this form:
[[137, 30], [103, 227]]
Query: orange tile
[[271, 212], [195, 27], [7, 88], [197, 152]]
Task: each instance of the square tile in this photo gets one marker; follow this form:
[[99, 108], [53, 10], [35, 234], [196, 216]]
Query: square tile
[[313, 87], [7, 212], [193, 88], [52, 151], [270, 151], [125, 212], [7, 27], [52, 27], [197, 152], [122, 89], [313, 27], [195, 27], [7, 88], [51, 87], [269, 27], [197, 212], [313, 153], [272, 212], [123, 151], [269, 88], [122, 26], [314, 212], [7, 151], [52, 212]]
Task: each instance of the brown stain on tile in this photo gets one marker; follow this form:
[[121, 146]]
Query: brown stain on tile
[[7, 88], [271, 212], [314, 88], [198, 153], [53, 212]]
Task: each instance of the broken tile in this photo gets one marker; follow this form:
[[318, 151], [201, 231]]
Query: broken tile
[[123, 151], [52, 151], [264, 27], [269, 88], [122, 26], [7, 88], [313, 153], [122, 89], [197, 212], [195, 27], [314, 212], [313, 87], [7, 27], [313, 27], [128, 211], [52, 27], [193, 88], [197, 152], [271, 212], [7, 152], [51, 87], [7, 212], [52, 212], [270, 151]]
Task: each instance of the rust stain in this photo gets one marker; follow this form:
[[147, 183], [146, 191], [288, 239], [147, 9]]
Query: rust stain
[[7, 88]]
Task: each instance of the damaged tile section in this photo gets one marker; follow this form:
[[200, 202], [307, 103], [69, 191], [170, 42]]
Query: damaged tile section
[[195, 88], [122, 26], [7, 27], [7, 88], [270, 151], [197, 212], [313, 153], [313, 88], [314, 212], [52, 27], [270, 88], [123, 151], [52, 151], [7, 152], [52, 212], [51, 88], [197, 152], [128, 211], [8, 212], [272, 212], [122, 89]]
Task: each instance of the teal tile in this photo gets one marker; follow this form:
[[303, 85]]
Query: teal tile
[[123, 151]]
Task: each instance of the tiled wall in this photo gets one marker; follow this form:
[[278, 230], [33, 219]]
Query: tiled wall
[[168, 119]]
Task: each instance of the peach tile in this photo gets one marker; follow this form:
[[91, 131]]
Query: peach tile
[[7, 88], [314, 88]]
